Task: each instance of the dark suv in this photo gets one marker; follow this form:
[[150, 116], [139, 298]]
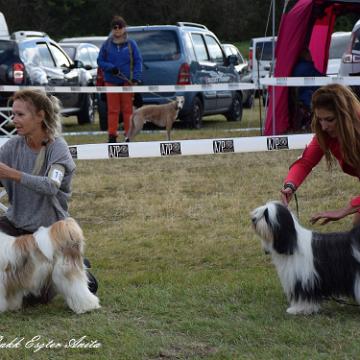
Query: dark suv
[[185, 54], [32, 58]]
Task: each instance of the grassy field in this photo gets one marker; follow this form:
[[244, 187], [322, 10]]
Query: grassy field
[[182, 275]]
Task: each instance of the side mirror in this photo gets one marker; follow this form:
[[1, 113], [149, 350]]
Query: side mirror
[[78, 64], [233, 60]]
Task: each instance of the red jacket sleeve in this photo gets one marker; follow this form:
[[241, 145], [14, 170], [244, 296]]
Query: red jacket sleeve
[[300, 169], [355, 202]]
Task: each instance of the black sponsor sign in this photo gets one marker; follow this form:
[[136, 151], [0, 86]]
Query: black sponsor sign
[[278, 143], [118, 151], [169, 149], [223, 146], [73, 152]]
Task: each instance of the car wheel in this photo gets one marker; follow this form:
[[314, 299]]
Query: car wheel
[[102, 110], [236, 109], [86, 114], [249, 101], [195, 116]]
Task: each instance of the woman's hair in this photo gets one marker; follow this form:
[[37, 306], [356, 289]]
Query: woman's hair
[[345, 106], [118, 20], [42, 101]]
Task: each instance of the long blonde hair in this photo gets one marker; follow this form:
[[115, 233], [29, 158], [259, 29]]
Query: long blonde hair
[[345, 106], [48, 103]]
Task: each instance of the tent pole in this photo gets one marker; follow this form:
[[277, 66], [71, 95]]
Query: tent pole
[[273, 66]]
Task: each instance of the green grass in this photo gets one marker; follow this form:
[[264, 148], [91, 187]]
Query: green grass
[[181, 272]]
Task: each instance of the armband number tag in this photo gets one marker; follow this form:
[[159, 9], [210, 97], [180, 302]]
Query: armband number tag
[[56, 175]]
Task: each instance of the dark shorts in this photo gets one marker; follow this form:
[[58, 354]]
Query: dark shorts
[[8, 228]]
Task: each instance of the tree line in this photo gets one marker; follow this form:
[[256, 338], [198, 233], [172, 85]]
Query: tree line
[[230, 20]]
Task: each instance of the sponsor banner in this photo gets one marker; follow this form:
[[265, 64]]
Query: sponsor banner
[[186, 147], [151, 149]]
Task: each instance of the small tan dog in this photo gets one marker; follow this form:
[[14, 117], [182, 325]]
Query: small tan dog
[[160, 115]]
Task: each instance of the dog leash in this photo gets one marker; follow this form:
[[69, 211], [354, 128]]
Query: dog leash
[[121, 76]]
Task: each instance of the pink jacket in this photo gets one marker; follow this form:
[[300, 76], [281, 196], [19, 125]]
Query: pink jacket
[[311, 157]]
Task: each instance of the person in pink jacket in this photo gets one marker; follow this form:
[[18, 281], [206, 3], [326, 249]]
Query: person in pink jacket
[[336, 124]]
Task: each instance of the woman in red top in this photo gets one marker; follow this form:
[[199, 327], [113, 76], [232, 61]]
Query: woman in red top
[[336, 123]]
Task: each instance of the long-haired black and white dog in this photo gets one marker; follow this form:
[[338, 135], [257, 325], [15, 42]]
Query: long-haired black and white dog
[[311, 265]]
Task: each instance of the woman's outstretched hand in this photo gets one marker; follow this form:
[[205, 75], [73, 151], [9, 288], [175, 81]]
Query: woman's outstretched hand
[[333, 215]]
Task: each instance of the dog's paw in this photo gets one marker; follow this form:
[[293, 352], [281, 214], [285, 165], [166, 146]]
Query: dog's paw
[[304, 309]]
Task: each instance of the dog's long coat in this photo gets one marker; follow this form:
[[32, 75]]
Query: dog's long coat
[[160, 115], [311, 266]]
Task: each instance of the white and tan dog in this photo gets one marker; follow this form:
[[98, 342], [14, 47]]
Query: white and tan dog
[[50, 256], [160, 115]]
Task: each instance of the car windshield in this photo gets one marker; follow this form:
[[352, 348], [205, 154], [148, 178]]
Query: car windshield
[[338, 46], [156, 45]]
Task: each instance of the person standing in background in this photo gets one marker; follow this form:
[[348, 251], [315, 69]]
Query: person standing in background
[[121, 61]]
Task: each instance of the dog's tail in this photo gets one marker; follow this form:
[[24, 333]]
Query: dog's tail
[[68, 238], [132, 126], [65, 237]]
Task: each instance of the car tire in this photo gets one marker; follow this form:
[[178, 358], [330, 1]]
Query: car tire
[[236, 109], [102, 110], [248, 104], [86, 114], [194, 118]]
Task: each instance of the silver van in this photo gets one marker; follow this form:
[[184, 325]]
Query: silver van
[[338, 45], [260, 56], [350, 62]]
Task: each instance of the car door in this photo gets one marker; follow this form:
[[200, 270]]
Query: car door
[[225, 73], [204, 71], [70, 75]]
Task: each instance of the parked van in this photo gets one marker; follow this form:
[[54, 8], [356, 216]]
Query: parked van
[[260, 56], [350, 62], [4, 30], [338, 44]]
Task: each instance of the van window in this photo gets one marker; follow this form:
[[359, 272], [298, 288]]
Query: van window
[[156, 45], [60, 58], [199, 47], [7, 50], [45, 56], [264, 50], [356, 41]]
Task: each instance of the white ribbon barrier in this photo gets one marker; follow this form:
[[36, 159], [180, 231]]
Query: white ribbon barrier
[[189, 147], [309, 81], [267, 81], [133, 89]]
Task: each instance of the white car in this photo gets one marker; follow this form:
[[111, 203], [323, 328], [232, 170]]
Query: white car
[[350, 62], [338, 44], [242, 67]]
